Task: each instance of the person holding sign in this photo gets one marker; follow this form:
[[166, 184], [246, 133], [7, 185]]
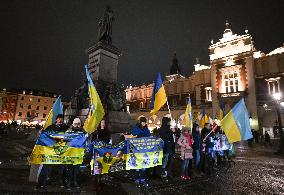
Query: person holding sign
[[141, 130]]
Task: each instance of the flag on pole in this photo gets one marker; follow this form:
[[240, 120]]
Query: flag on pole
[[203, 118], [188, 114], [222, 108], [96, 109], [236, 123], [159, 97], [57, 108]]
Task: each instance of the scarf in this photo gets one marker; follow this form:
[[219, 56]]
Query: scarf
[[188, 138]]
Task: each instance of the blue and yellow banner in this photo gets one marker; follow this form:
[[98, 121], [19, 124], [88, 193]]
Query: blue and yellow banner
[[52, 148], [134, 153], [144, 152], [108, 158]]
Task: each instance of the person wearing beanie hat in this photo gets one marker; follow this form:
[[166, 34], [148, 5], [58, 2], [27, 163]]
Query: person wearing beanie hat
[[73, 170], [141, 130], [57, 128]]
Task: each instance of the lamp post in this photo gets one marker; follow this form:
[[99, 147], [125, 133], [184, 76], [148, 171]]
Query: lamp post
[[277, 97]]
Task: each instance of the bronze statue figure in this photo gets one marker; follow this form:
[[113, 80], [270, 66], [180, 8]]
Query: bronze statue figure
[[105, 26]]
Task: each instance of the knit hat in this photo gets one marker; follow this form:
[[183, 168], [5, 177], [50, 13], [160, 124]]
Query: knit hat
[[59, 116], [143, 119], [76, 121]]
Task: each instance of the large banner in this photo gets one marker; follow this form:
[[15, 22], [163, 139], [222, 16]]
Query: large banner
[[144, 153], [134, 153], [54, 148], [221, 143]]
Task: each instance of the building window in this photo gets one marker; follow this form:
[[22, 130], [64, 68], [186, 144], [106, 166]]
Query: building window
[[36, 114], [43, 115], [28, 114], [20, 114], [29, 107], [45, 108], [231, 81], [273, 85], [174, 101], [37, 108], [38, 100], [141, 104], [208, 93], [31, 99], [21, 105], [22, 98]]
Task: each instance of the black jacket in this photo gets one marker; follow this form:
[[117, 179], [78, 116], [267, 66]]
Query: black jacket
[[166, 135]]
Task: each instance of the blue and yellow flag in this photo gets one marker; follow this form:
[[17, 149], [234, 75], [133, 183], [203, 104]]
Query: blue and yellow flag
[[222, 108], [203, 118], [53, 148], [236, 123], [188, 114], [159, 97], [56, 109], [96, 110]]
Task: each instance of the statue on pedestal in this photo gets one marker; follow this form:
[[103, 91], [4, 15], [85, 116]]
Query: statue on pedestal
[[105, 26]]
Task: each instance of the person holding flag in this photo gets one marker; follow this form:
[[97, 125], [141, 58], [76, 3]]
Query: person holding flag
[[54, 124]]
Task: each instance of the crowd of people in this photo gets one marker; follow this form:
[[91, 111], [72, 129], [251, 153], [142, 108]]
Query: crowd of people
[[195, 149]]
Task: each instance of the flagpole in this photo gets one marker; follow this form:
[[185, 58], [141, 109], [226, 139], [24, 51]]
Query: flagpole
[[169, 108]]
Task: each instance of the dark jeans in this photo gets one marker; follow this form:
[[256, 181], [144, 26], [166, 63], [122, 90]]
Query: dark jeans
[[72, 173], [43, 176], [166, 163], [185, 164]]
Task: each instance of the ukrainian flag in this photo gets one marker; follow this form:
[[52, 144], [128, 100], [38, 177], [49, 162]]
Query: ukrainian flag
[[203, 118], [222, 108], [159, 97], [188, 114], [236, 123], [56, 109], [96, 110], [52, 148]]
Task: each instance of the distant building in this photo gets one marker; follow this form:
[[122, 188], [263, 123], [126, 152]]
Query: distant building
[[237, 70], [26, 105]]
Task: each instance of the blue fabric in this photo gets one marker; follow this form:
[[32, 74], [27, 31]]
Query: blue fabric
[[241, 117], [157, 86], [185, 164], [197, 157], [221, 104], [137, 131]]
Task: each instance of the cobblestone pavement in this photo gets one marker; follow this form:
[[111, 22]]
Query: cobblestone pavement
[[255, 170]]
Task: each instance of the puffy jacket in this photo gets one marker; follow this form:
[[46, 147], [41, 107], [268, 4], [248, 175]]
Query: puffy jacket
[[137, 131]]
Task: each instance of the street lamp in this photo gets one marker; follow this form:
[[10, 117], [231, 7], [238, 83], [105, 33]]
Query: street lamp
[[277, 97]]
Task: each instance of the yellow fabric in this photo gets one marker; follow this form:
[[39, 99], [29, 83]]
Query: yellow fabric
[[160, 100], [230, 128], [188, 121], [47, 155], [204, 120], [48, 121], [96, 112], [140, 157]]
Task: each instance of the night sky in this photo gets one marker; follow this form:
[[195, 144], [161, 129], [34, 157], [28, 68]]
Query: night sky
[[43, 42]]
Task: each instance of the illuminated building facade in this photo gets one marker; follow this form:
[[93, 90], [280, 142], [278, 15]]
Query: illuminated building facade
[[237, 70], [27, 105]]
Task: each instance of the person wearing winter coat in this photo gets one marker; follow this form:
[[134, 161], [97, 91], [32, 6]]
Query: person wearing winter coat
[[167, 135], [185, 142], [141, 130], [196, 145]]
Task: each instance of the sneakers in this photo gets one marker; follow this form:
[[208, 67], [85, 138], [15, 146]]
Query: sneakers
[[38, 187], [184, 177]]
